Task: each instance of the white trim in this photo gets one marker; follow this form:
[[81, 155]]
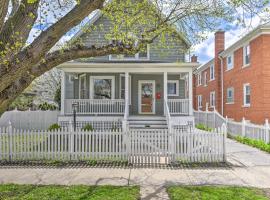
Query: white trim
[[177, 88], [205, 79], [244, 95], [199, 101], [140, 99], [80, 82], [230, 67], [199, 79], [120, 87], [244, 55], [232, 89], [101, 77], [135, 58], [212, 72], [212, 103], [63, 92]]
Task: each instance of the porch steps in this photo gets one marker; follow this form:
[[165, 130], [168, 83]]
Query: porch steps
[[147, 122]]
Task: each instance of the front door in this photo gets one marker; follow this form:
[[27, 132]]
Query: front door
[[147, 97]]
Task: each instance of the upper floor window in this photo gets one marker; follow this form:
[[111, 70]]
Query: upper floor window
[[246, 55], [230, 95], [230, 62], [199, 101], [199, 79], [212, 99], [205, 79], [212, 72], [142, 55], [246, 94]]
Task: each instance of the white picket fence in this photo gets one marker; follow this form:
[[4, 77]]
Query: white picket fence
[[136, 146], [213, 119], [41, 120]]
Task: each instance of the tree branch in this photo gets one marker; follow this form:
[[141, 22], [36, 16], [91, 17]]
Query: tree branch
[[18, 26], [3, 12]]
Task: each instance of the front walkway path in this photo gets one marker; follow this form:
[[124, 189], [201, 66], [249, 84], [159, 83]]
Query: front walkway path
[[251, 167]]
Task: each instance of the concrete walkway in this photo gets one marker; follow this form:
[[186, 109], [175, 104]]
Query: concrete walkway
[[250, 167]]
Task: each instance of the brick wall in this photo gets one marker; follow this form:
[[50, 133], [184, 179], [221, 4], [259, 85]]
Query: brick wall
[[257, 74]]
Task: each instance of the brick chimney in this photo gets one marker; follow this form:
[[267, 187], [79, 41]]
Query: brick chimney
[[219, 47], [219, 42], [194, 59]]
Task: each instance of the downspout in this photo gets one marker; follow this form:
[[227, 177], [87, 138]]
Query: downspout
[[222, 85]]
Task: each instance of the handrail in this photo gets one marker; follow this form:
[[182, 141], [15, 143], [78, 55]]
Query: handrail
[[167, 114]]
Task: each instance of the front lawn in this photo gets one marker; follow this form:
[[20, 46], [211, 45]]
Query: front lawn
[[215, 193], [34, 192]]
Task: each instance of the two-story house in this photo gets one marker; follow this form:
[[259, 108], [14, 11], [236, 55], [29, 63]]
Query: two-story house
[[147, 89], [236, 82]]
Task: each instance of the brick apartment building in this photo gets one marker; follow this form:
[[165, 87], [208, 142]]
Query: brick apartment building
[[236, 82]]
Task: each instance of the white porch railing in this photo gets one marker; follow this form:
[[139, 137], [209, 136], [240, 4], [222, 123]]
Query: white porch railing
[[179, 106], [96, 106], [167, 115]]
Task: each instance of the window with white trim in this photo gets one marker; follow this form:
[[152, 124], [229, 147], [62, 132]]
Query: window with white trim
[[205, 79], [199, 101], [212, 99], [173, 87], [230, 62], [246, 55], [122, 87], [82, 86], [212, 72], [142, 55], [246, 94], [199, 79], [102, 87], [230, 95]]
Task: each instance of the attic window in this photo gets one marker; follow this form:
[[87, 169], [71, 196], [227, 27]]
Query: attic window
[[142, 55]]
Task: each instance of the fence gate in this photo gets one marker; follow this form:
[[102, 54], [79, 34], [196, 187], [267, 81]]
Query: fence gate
[[149, 147]]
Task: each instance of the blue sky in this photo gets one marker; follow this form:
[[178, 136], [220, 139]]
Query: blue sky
[[233, 32]]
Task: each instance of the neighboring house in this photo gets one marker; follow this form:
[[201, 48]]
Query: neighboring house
[[237, 81], [137, 88]]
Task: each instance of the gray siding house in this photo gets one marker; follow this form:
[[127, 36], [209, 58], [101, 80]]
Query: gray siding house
[[152, 89]]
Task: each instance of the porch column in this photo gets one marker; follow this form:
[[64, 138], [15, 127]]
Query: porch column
[[63, 92], [190, 92], [165, 82], [126, 94]]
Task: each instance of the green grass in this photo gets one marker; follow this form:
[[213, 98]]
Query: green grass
[[260, 144], [203, 127], [215, 193], [34, 192]]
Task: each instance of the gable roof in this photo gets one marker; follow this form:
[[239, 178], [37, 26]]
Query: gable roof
[[98, 14]]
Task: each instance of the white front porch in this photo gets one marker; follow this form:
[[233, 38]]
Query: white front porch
[[150, 89]]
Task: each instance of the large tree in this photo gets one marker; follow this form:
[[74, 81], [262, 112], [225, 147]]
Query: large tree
[[29, 29]]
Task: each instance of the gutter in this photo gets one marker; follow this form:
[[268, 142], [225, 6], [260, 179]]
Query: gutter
[[222, 86]]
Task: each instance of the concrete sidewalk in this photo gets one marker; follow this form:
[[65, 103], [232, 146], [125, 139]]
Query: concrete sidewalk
[[251, 167]]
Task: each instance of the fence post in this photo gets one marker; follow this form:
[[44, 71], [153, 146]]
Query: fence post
[[224, 131], [267, 133], [214, 120], [71, 140], [243, 127], [10, 140]]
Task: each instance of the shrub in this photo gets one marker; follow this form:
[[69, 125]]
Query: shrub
[[54, 127], [45, 106], [87, 127], [203, 127], [260, 144]]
